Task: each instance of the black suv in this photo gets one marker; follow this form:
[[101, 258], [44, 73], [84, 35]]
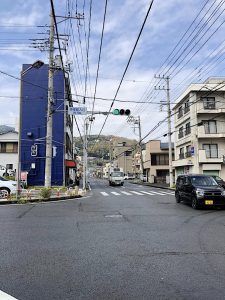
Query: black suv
[[199, 190]]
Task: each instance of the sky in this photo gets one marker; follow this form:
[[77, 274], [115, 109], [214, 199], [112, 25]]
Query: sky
[[181, 39]]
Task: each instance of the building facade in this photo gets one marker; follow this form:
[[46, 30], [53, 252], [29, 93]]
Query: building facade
[[156, 162], [34, 101], [8, 147], [200, 129]]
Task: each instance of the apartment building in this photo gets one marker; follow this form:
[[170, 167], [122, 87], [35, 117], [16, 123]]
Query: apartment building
[[156, 162], [200, 129], [34, 101]]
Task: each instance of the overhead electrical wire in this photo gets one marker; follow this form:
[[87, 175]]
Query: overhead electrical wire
[[128, 63]]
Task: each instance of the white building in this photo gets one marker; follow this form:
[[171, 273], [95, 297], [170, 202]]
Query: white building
[[8, 147], [200, 129]]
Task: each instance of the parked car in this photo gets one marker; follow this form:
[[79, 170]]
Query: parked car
[[219, 180], [143, 178], [129, 177], [199, 190], [7, 187]]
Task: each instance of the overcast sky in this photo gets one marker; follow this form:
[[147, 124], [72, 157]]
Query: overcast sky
[[199, 55]]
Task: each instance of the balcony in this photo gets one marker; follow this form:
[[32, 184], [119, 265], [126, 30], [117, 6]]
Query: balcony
[[188, 154], [180, 114], [181, 156], [204, 159], [187, 130], [220, 132]]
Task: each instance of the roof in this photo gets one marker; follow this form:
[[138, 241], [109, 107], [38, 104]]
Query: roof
[[6, 129]]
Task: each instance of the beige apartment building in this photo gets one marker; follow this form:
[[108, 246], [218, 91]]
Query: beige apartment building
[[199, 134], [156, 162]]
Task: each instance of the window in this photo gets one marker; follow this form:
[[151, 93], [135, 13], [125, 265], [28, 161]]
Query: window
[[180, 134], [181, 155], [8, 147], [9, 166], [180, 112], [211, 150], [159, 159], [209, 102], [210, 126], [188, 128], [186, 107], [188, 151]]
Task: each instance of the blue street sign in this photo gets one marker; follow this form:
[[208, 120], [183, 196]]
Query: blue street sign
[[77, 110]]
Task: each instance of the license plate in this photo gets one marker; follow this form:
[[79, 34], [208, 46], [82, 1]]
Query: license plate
[[208, 202]]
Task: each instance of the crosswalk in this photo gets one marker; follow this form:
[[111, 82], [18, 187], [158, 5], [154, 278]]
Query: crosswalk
[[138, 193]]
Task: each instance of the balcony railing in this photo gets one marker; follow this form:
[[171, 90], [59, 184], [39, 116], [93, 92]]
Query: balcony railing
[[188, 154], [180, 114]]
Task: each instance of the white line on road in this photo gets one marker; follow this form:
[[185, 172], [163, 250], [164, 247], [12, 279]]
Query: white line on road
[[4, 296], [157, 193], [137, 193], [126, 193], [115, 193], [104, 194], [146, 193], [167, 193]]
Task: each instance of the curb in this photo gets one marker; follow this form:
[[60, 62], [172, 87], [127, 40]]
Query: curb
[[152, 185], [2, 202]]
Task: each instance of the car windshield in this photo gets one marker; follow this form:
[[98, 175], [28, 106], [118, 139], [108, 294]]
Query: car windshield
[[117, 174], [3, 179], [203, 181]]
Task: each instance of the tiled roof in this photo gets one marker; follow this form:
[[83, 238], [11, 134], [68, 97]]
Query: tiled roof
[[6, 129]]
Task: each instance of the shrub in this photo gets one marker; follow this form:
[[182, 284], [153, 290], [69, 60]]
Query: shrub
[[45, 193]]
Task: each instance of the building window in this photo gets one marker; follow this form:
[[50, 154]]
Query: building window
[[159, 159], [8, 147], [181, 155], [209, 102], [186, 107], [188, 128], [210, 126], [180, 112], [211, 150], [188, 151], [180, 134]]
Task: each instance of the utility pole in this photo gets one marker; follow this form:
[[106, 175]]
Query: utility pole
[[142, 163], [48, 160], [167, 89]]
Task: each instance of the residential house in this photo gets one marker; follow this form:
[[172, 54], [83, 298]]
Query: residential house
[[156, 163]]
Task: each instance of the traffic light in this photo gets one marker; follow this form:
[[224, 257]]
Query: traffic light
[[121, 112]]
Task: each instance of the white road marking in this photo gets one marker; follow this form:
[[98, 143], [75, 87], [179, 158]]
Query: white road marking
[[115, 193], [126, 193], [137, 193], [157, 193], [104, 194], [167, 193], [146, 193], [4, 296]]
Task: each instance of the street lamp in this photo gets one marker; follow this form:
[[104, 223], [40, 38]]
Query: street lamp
[[36, 65]]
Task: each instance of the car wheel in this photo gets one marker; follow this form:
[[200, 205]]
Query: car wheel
[[177, 196], [4, 193], [194, 203]]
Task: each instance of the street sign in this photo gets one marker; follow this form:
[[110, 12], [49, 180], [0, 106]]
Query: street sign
[[77, 111], [34, 149]]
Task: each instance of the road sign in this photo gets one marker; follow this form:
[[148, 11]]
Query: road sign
[[77, 111], [34, 149]]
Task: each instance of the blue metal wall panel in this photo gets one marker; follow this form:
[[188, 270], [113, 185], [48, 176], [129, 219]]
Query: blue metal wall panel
[[34, 93]]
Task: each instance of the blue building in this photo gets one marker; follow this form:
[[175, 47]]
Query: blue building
[[34, 100]]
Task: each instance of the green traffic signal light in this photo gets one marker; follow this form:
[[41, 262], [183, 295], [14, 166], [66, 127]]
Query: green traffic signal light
[[121, 112]]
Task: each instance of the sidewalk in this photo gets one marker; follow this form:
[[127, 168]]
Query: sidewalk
[[155, 185]]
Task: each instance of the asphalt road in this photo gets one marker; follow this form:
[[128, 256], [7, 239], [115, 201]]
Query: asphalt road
[[130, 242]]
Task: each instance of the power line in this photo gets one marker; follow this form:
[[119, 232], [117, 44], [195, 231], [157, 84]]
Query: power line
[[129, 60]]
